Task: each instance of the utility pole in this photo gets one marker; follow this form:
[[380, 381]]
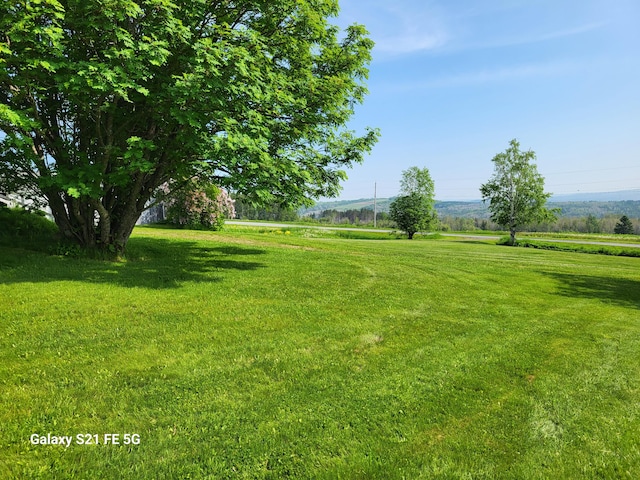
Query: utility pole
[[375, 208]]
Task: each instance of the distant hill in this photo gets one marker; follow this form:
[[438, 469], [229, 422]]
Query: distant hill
[[600, 209], [382, 205], [620, 196], [576, 205], [630, 208]]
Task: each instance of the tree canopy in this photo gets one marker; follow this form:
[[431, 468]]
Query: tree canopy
[[102, 102], [417, 180], [516, 190]]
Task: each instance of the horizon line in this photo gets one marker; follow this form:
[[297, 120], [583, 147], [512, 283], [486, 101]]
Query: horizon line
[[627, 190]]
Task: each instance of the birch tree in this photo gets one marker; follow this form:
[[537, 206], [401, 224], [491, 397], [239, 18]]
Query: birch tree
[[515, 192]]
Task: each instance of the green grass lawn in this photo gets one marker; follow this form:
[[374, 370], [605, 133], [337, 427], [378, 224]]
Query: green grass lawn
[[265, 354], [578, 237]]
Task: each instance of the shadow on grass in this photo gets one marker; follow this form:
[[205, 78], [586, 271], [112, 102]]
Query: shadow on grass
[[152, 263], [620, 291]]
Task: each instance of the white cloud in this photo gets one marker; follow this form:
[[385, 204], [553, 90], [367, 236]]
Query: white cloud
[[532, 38], [401, 27], [491, 75], [410, 42], [412, 32], [414, 26], [509, 73]]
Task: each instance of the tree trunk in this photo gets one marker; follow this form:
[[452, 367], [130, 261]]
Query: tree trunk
[[122, 232], [512, 233], [76, 221], [73, 218], [60, 216]]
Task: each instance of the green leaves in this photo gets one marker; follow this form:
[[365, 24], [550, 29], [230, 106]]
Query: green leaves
[[138, 155], [73, 192], [16, 119], [412, 213], [416, 180]]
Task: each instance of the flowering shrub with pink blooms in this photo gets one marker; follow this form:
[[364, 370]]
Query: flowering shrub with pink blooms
[[198, 206]]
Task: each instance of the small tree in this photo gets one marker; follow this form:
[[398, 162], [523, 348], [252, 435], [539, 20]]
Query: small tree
[[593, 224], [411, 213], [516, 191], [624, 226], [414, 210]]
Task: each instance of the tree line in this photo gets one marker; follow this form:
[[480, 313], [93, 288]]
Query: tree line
[[588, 224], [364, 217]]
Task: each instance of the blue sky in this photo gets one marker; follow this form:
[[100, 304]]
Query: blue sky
[[452, 82]]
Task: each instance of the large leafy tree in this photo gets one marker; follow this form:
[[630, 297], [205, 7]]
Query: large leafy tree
[[516, 191], [103, 101], [414, 210]]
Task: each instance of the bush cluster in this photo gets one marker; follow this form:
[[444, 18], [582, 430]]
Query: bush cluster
[[578, 248], [22, 227], [198, 206]]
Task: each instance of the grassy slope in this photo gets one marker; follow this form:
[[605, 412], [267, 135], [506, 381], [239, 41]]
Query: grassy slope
[[266, 355]]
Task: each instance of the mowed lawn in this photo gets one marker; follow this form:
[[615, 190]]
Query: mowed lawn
[[267, 354]]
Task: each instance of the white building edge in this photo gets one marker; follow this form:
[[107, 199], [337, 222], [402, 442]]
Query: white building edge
[[153, 214], [13, 200]]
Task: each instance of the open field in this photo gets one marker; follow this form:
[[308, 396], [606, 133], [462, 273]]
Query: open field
[[257, 353], [624, 245]]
